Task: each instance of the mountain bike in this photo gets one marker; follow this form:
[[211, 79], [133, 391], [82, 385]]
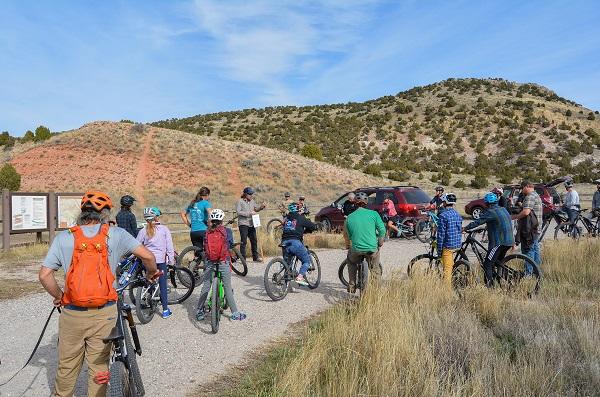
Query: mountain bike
[[216, 301], [362, 277], [431, 263], [125, 378], [180, 285], [514, 273], [281, 272], [566, 227], [426, 228], [592, 229], [405, 226], [193, 258]]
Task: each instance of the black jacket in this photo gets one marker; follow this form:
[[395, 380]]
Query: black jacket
[[527, 230], [295, 225], [348, 208], [126, 220]]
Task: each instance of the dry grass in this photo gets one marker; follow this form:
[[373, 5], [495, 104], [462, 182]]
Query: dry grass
[[24, 253], [418, 338], [269, 245]]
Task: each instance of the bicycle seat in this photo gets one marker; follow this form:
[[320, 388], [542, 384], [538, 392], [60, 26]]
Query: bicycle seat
[[282, 245], [115, 334], [369, 253]]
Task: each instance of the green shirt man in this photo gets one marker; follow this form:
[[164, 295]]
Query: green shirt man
[[366, 231]]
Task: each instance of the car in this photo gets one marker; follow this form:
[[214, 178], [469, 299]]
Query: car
[[410, 201], [547, 191]]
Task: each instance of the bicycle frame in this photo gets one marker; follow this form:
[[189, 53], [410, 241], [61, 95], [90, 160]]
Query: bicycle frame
[[476, 247], [221, 290]]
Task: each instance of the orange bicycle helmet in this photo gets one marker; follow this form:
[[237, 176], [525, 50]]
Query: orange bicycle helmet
[[97, 200]]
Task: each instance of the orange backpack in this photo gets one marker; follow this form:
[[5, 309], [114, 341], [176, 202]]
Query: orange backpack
[[89, 281]]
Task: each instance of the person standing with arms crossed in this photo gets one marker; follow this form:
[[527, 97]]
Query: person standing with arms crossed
[[245, 208], [89, 254]]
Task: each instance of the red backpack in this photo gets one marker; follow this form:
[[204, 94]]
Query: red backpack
[[89, 281], [216, 246]]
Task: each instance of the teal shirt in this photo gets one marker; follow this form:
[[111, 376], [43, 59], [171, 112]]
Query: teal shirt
[[198, 215], [364, 227]]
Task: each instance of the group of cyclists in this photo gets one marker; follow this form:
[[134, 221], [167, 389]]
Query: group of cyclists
[[92, 249]]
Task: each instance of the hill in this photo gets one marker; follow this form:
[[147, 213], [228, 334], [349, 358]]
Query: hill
[[166, 167], [482, 127]]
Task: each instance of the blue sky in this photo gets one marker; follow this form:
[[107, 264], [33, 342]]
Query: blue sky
[[65, 63]]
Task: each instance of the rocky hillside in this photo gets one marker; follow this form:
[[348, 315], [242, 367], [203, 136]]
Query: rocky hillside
[[480, 127], [165, 167]]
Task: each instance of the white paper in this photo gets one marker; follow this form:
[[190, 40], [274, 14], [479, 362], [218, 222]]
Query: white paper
[[256, 220], [29, 212]]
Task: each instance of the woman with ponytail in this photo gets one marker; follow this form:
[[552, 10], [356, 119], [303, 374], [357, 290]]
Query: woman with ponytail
[[157, 238]]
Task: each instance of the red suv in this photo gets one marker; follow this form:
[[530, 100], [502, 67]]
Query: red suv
[[550, 198], [409, 201]]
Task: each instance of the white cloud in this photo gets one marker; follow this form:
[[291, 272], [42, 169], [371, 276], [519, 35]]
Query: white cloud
[[271, 43]]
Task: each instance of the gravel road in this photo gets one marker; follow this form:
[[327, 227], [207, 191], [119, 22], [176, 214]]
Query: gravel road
[[179, 353]]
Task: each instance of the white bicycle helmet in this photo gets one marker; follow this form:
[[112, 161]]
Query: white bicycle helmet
[[217, 215]]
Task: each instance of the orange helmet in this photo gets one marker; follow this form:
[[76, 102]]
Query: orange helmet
[[96, 199]]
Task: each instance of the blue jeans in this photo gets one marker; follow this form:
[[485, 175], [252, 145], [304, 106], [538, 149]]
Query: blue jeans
[[534, 253], [162, 283], [296, 248]]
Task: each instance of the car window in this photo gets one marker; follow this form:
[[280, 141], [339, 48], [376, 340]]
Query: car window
[[340, 202], [555, 196], [383, 194], [372, 197], [415, 196], [539, 191], [507, 191]]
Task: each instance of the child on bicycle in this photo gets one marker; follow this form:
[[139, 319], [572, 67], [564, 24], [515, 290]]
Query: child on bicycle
[[157, 238], [295, 225], [217, 243]]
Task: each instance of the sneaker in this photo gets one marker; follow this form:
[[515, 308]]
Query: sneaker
[[166, 313], [200, 315], [300, 280], [258, 260], [351, 288], [239, 316]]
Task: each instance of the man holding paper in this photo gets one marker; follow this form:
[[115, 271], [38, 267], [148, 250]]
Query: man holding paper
[[248, 221]]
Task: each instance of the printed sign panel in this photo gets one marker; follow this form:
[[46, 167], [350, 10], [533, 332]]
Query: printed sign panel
[[256, 220], [68, 211], [29, 212]]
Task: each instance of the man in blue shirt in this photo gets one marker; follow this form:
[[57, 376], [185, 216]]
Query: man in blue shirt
[[449, 234], [500, 234]]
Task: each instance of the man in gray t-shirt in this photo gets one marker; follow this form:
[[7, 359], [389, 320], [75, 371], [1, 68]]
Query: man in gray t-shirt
[[81, 329]]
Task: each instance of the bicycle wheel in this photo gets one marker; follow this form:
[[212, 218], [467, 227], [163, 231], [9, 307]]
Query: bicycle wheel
[[513, 275], [423, 264], [343, 272], [215, 306], [272, 224], [567, 230], [180, 284], [423, 230], [407, 228], [313, 275], [277, 279], [192, 258], [362, 278], [462, 276], [145, 305], [134, 371], [119, 384], [238, 262]]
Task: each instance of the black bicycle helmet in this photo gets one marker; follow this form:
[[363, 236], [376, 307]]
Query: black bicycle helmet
[[439, 189], [127, 200]]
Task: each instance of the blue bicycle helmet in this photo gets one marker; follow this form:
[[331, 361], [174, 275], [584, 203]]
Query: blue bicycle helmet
[[151, 213], [293, 208], [248, 190], [490, 198]]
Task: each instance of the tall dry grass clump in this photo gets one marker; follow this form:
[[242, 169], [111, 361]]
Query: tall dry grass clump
[[416, 337]]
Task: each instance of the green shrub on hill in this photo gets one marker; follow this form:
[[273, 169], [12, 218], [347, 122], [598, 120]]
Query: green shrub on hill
[[9, 178]]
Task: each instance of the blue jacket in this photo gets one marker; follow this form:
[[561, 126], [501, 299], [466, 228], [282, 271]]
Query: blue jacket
[[499, 226]]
